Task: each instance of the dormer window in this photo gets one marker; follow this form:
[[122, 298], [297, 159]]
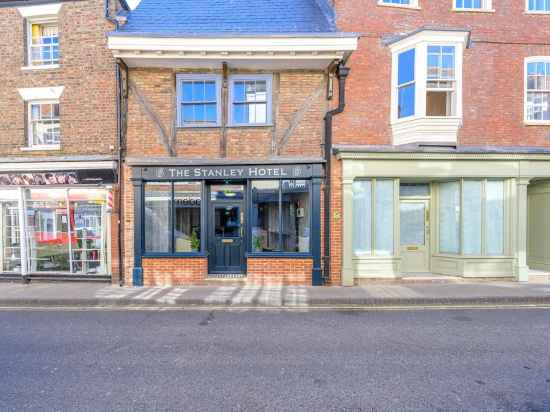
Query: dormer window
[[427, 87]]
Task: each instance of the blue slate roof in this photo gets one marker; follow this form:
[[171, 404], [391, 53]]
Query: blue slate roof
[[230, 17]]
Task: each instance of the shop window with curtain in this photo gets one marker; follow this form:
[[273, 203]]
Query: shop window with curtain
[[471, 217], [172, 217], [280, 212], [373, 217]]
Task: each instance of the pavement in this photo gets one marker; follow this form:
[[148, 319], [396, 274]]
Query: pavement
[[465, 293], [323, 360]]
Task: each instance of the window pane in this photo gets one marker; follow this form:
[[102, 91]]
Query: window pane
[[238, 92], [187, 216], [406, 101], [384, 218], [210, 91], [265, 216], [412, 224], [449, 217], [187, 91], [362, 216], [406, 67], [158, 202], [414, 189], [494, 218], [295, 210], [198, 91], [471, 226]]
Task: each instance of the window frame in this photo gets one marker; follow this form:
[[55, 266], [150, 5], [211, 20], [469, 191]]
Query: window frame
[[180, 79], [529, 11], [528, 60], [269, 101], [41, 21], [413, 4], [483, 212], [172, 226], [30, 135], [486, 7]]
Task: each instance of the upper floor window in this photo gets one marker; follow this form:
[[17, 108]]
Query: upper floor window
[[537, 99], [473, 4], [538, 5], [250, 100], [399, 3], [43, 43], [406, 84], [44, 128], [441, 83], [198, 100]]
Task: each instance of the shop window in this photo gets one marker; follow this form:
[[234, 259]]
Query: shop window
[[44, 130], [199, 97], [471, 217], [373, 217], [538, 6], [537, 99], [10, 235], [187, 217], [280, 216], [172, 217], [250, 98], [43, 43]]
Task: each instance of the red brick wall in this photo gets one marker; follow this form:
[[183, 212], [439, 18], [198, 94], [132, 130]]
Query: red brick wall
[[171, 271], [279, 271], [336, 224], [87, 71], [493, 69]]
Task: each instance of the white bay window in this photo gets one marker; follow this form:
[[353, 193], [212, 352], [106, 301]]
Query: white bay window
[[427, 87]]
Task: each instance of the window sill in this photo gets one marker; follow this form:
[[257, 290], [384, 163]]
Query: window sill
[[399, 6], [536, 122], [474, 10], [43, 67], [477, 257], [40, 148], [235, 126], [434, 130], [547, 13], [198, 126], [281, 255]]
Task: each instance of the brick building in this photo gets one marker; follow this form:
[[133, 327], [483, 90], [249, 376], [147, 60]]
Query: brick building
[[225, 138], [59, 145], [442, 157]]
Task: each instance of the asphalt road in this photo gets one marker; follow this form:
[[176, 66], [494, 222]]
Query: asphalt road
[[474, 360]]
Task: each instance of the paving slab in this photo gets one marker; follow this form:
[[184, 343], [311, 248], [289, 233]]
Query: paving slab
[[39, 294]]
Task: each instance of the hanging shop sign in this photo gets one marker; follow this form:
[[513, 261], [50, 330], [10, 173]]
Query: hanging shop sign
[[58, 178], [299, 171]]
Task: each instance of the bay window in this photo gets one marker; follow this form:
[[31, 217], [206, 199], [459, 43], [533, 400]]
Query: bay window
[[426, 98], [373, 217], [281, 216], [471, 217], [537, 90]]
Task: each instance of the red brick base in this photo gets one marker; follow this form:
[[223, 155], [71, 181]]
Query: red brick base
[[279, 271], [172, 271]]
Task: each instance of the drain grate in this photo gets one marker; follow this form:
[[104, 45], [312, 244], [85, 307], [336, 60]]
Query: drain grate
[[226, 276]]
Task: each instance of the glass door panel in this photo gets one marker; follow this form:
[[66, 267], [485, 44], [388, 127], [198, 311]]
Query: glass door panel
[[414, 236], [10, 239]]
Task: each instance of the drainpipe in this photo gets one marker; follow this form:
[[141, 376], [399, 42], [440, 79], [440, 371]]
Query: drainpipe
[[342, 73]]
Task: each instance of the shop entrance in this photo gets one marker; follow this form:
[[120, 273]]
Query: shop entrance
[[414, 223], [226, 234]]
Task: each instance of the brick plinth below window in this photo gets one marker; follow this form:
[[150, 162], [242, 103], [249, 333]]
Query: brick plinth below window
[[172, 272], [277, 271]]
